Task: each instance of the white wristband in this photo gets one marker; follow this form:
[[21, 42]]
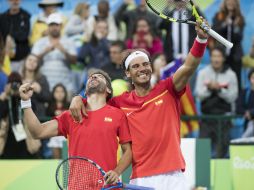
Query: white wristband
[[202, 41], [25, 104]]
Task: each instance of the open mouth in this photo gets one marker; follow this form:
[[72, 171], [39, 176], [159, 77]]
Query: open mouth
[[93, 82], [143, 75]]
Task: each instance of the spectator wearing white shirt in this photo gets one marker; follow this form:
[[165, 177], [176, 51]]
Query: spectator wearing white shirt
[[39, 26], [56, 53], [217, 90], [104, 13], [81, 23]]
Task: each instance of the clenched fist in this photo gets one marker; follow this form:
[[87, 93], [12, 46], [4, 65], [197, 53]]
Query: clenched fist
[[26, 91]]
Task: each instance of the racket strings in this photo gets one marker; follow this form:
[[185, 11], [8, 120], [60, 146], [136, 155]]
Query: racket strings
[[81, 175], [169, 7]]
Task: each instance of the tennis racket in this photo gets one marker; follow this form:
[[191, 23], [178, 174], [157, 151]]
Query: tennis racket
[[79, 173], [166, 8]]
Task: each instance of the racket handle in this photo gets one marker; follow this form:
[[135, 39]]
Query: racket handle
[[136, 187], [219, 38], [128, 187]]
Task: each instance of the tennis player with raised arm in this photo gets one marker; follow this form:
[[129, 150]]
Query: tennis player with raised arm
[[153, 115], [96, 136]]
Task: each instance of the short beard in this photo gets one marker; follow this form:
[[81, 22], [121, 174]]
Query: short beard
[[55, 34], [100, 89], [145, 85]]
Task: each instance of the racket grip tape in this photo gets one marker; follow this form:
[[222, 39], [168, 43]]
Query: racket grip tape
[[219, 38]]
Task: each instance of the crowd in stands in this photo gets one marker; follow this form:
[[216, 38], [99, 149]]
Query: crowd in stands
[[56, 53]]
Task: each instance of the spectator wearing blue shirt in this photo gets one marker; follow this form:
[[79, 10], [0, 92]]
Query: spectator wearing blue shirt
[[95, 54]]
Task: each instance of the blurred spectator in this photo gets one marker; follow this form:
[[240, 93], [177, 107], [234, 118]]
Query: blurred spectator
[[40, 27], [96, 52], [41, 96], [2, 49], [79, 29], [31, 74], [114, 68], [104, 13], [142, 37], [57, 105], [217, 90], [80, 24], [6, 52], [129, 16], [245, 106], [15, 28], [249, 132], [248, 60], [158, 62], [3, 77], [178, 37], [15, 141], [56, 53], [229, 22]]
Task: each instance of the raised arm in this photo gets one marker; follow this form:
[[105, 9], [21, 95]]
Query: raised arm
[[38, 130], [184, 73]]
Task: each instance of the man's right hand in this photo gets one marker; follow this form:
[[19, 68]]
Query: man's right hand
[[76, 107], [49, 49], [26, 91]]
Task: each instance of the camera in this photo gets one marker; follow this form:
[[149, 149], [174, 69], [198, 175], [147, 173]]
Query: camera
[[15, 86]]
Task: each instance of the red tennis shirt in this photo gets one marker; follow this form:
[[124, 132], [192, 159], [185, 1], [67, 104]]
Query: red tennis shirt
[[96, 137], [154, 122]]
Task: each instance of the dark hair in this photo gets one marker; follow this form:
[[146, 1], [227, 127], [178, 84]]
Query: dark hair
[[37, 72], [250, 73], [14, 77], [119, 44], [224, 12], [108, 80], [220, 48], [65, 101], [103, 6], [148, 23], [57, 4], [59, 85], [52, 104], [126, 53]]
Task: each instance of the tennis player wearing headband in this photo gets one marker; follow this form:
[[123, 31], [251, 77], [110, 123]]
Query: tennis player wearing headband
[[97, 136], [154, 118]]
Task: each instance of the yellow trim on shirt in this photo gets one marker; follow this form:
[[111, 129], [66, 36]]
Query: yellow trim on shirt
[[134, 109]]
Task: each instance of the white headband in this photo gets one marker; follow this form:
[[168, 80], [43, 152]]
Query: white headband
[[134, 55]]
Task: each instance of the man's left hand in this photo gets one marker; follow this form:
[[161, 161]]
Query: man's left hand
[[200, 32], [111, 177], [60, 47]]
